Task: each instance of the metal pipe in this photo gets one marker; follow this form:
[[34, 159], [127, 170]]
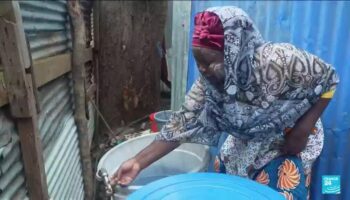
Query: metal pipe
[[103, 176]]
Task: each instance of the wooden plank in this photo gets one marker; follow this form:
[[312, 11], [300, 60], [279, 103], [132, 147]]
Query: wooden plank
[[32, 155], [48, 69], [79, 77], [90, 92], [7, 13], [87, 55], [3, 93], [12, 58], [45, 70], [6, 10], [29, 137], [15, 57]]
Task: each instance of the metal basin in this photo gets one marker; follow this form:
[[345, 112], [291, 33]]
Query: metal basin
[[185, 159]]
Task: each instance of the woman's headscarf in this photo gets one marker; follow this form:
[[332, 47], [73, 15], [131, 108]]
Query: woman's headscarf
[[268, 86]]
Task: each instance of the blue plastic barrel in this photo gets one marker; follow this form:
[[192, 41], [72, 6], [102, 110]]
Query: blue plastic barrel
[[205, 186]]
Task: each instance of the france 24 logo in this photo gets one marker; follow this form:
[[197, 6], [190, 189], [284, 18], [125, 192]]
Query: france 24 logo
[[330, 184]]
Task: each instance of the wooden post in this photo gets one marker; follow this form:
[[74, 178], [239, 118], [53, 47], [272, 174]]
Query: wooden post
[[16, 60], [79, 58], [96, 39]]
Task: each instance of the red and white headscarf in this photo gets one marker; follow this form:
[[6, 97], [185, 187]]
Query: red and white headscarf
[[208, 31]]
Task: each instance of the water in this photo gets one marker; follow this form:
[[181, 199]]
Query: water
[[123, 192], [146, 180]]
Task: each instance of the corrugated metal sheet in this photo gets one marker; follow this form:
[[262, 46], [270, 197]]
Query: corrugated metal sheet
[[12, 184], [322, 28], [47, 27], [59, 136], [178, 53]]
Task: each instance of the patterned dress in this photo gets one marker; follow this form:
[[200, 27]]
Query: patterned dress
[[268, 87]]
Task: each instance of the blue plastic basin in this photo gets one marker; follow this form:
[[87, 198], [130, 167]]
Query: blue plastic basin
[[205, 186]]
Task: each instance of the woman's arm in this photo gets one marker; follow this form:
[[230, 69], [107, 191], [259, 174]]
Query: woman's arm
[[156, 150], [128, 171], [166, 141], [296, 139]]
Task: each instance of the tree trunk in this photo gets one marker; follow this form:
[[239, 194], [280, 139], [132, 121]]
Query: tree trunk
[[129, 70]]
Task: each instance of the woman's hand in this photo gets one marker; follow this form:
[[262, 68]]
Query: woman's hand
[[126, 173]]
